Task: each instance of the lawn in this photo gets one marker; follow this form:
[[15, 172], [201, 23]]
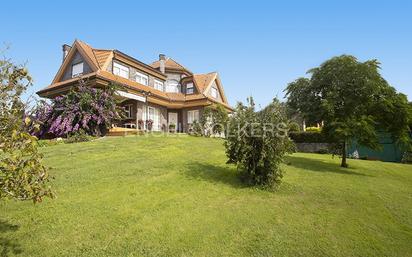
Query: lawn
[[175, 196]]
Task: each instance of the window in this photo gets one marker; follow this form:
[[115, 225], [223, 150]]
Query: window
[[158, 85], [77, 69], [142, 78], [172, 86], [189, 88], [154, 115], [192, 116], [120, 70], [128, 110], [214, 92]]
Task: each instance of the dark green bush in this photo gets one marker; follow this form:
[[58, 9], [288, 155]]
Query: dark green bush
[[407, 157], [322, 151], [308, 137], [294, 127], [79, 136]]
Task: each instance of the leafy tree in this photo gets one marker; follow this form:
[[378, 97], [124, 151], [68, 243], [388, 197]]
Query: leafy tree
[[22, 174], [214, 120], [354, 101], [84, 108], [257, 142]]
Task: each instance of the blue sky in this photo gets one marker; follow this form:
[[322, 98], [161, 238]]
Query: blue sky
[[256, 46]]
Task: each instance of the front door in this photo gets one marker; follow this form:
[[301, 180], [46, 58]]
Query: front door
[[172, 120]]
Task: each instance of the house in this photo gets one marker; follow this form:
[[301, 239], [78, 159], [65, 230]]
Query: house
[[164, 91]]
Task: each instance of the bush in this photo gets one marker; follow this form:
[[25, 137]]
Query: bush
[[195, 129], [172, 127], [322, 151], [308, 137], [294, 127], [79, 136], [313, 129], [407, 157], [149, 125], [213, 120], [83, 108], [257, 150]]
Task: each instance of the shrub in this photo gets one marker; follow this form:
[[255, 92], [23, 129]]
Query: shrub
[[313, 129], [214, 120], [322, 151], [294, 127], [83, 108], [140, 124], [256, 150], [407, 157], [149, 125], [195, 129], [172, 127], [78, 136], [308, 137]]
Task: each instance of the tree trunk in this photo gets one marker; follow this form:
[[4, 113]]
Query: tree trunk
[[344, 164]]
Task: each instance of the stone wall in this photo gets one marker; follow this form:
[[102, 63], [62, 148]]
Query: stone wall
[[311, 147]]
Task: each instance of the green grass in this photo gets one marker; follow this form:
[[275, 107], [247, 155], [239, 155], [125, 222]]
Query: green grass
[[157, 196]]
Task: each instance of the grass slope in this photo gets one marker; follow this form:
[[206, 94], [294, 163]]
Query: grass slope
[[157, 196]]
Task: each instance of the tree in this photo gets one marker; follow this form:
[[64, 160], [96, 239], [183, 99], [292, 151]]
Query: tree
[[22, 174], [257, 142], [353, 101]]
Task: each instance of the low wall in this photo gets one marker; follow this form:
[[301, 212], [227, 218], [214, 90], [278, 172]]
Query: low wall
[[311, 147]]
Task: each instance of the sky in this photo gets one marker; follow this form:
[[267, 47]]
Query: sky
[[257, 47]]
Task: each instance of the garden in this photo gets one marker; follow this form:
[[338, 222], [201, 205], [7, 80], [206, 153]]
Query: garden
[[233, 186]]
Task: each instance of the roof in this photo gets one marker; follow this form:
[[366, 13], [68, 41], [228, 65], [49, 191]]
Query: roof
[[170, 64], [202, 81], [99, 59]]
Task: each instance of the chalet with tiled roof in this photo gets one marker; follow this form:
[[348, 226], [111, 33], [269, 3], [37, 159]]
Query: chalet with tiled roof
[[165, 91]]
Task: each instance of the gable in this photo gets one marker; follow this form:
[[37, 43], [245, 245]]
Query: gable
[[216, 87], [75, 59]]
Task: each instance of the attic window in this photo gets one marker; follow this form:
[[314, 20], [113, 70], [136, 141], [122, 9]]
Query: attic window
[[120, 70], [214, 92], [189, 88], [142, 78], [77, 69]]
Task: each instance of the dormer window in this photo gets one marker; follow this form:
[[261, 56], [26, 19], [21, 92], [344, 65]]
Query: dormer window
[[142, 78], [120, 70], [77, 69], [214, 92], [158, 85], [189, 88], [172, 86]]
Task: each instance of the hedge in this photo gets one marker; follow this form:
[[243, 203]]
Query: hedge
[[307, 137]]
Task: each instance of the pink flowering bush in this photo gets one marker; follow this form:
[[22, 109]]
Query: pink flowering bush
[[83, 109]]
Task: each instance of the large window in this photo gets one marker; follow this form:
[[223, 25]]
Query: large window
[[214, 92], [128, 111], [172, 86], [158, 85], [77, 69], [189, 88], [192, 116], [142, 78], [120, 70]]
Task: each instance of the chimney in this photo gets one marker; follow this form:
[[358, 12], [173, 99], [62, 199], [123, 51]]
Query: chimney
[[66, 49], [162, 59]]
